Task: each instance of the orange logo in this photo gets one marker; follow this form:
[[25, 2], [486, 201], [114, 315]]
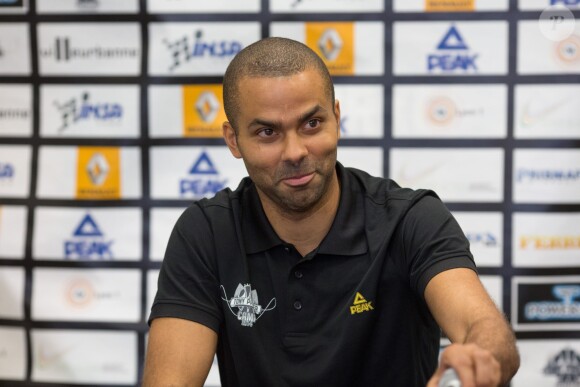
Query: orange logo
[[550, 242], [334, 43], [441, 110], [98, 173], [203, 111], [568, 50], [449, 5]]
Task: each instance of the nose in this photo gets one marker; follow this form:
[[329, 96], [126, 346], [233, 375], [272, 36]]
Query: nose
[[294, 148]]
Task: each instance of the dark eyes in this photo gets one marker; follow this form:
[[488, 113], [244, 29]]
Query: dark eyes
[[312, 124], [267, 132]]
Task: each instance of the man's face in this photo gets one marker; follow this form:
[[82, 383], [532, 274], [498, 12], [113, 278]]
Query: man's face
[[287, 136]]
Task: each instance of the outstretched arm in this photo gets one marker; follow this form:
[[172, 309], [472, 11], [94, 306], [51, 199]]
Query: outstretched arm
[[179, 353], [483, 352]]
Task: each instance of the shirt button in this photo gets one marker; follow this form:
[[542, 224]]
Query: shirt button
[[298, 274], [287, 249], [297, 305]]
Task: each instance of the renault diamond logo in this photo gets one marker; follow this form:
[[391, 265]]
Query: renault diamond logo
[[98, 169], [207, 106], [330, 44]]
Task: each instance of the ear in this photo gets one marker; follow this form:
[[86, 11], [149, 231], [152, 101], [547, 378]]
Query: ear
[[231, 139], [337, 114]]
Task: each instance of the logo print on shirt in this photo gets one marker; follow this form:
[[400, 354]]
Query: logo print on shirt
[[566, 366], [246, 300], [360, 304]]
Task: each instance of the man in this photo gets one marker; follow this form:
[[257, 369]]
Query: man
[[309, 273]]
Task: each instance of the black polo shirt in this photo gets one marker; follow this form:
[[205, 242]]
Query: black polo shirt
[[350, 313]]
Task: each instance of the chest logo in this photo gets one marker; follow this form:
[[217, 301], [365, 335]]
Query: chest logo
[[360, 304], [246, 301]]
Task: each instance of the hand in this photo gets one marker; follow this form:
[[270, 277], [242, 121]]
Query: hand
[[475, 366]]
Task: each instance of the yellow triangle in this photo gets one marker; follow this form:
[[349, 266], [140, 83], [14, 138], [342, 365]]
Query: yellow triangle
[[359, 299]]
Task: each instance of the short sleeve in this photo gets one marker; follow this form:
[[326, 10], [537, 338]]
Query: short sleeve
[[432, 242], [188, 286]]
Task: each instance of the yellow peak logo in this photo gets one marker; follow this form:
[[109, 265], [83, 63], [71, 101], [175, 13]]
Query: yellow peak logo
[[360, 304]]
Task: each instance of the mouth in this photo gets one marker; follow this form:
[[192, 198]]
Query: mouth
[[299, 180]]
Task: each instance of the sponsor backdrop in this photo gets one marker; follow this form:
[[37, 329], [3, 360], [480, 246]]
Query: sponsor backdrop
[[110, 124]]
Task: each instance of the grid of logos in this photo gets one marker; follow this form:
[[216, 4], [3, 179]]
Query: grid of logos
[[482, 110]]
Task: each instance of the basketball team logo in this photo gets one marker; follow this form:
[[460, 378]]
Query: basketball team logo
[[245, 300], [203, 112], [334, 43], [98, 173]]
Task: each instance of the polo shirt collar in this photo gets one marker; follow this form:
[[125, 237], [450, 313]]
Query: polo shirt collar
[[345, 237]]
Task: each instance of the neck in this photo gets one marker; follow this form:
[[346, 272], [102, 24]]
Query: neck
[[305, 230]]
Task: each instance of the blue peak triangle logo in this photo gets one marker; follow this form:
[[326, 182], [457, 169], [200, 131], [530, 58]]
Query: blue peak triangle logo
[[203, 166], [87, 228], [452, 41]]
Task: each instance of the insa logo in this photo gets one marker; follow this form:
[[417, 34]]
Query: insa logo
[[203, 180], [88, 242], [188, 48], [6, 171], [453, 54], [485, 238], [63, 51], [564, 310], [82, 109], [566, 366]]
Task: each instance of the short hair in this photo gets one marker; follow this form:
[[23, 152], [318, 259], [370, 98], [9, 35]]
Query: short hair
[[270, 57]]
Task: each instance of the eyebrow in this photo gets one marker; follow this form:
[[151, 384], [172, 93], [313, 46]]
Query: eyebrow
[[274, 124]]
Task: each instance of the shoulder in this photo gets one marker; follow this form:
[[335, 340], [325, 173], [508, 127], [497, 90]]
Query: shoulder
[[383, 191], [217, 208]]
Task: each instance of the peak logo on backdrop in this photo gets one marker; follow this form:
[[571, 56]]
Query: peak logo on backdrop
[[565, 365], [203, 179], [449, 5], [79, 109], [203, 111], [98, 173], [334, 43], [453, 54], [88, 242], [188, 48], [65, 51]]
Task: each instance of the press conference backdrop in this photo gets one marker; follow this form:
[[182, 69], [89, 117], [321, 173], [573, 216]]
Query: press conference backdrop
[[110, 114]]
